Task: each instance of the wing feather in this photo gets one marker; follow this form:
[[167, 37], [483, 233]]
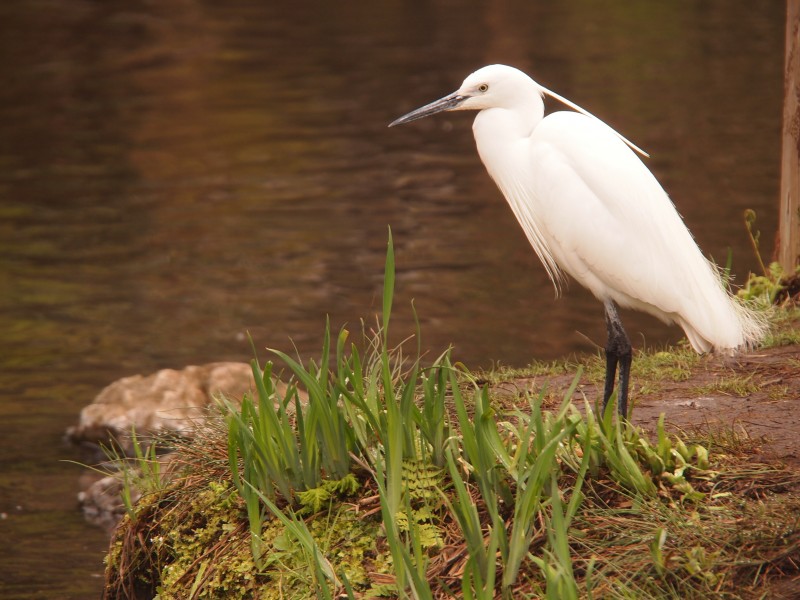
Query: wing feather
[[602, 217]]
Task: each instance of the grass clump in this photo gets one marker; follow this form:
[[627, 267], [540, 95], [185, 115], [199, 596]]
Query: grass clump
[[784, 330], [731, 385], [396, 479]]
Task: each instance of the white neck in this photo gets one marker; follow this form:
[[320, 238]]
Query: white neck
[[497, 129], [502, 136]]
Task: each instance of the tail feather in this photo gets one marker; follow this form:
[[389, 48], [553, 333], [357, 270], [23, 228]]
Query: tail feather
[[722, 322]]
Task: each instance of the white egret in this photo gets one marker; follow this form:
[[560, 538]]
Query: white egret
[[591, 209]]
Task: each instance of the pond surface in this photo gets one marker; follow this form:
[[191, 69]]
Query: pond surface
[[175, 175]]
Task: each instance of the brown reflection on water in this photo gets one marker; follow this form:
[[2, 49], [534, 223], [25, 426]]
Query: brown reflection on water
[[174, 175]]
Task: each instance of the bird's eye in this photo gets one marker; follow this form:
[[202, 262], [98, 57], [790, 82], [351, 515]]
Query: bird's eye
[[484, 87]]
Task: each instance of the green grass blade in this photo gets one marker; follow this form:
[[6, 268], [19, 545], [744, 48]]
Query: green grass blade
[[388, 285]]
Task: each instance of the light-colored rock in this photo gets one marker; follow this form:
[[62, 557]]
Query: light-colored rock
[[168, 401]]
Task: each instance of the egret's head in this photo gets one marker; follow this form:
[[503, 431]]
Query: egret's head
[[496, 86], [490, 87]]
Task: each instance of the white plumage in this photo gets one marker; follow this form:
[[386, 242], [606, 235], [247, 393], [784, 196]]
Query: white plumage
[[591, 209]]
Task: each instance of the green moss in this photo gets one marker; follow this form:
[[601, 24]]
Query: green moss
[[197, 544], [349, 542], [193, 542]]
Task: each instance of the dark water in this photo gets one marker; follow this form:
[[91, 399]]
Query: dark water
[[175, 174]]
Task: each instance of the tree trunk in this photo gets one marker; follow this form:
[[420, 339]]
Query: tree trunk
[[789, 223]]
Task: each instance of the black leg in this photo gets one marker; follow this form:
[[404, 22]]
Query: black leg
[[611, 375], [618, 352], [625, 360]]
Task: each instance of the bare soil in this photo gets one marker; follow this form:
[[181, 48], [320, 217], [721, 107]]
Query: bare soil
[[768, 413]]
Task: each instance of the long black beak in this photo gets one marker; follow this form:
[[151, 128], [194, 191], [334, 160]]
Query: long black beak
[[447, 103]]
